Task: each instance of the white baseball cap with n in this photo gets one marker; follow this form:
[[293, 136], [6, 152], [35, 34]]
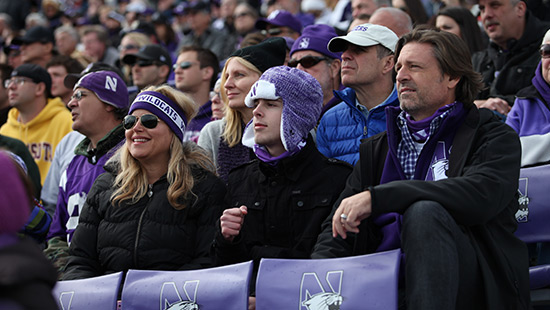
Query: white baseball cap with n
[[365, 35]]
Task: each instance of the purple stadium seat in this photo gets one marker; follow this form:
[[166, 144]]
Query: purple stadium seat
[[214, 288], [92, 293], [358, 282], [533, 219]]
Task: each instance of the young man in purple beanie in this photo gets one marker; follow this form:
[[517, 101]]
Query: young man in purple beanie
[[279, 200], [309, 53], [98, 105]]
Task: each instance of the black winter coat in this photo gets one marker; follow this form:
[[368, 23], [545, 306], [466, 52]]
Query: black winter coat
[[480, 193], [519, 66], [286, 205], [150, 234]]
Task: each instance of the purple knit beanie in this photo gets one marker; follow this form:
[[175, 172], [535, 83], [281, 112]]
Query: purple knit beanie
[[14, 200], [302, 101]]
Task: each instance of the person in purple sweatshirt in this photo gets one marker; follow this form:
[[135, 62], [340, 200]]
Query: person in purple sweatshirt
[[98, 105], [440, 184], [530, 114]]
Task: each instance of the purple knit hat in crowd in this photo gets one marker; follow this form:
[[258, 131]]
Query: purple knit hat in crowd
[[15, 205], [316, 38], [107, 86], [302, 101], [163, 107]]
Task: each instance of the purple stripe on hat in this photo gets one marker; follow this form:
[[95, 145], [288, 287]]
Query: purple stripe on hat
[[163, 107]]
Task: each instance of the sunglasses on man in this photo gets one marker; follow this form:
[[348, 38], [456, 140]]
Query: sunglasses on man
[[307, 61], [545, 51], [146, 63]]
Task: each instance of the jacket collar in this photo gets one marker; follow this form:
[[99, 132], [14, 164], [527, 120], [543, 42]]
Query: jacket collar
[[290, 167]]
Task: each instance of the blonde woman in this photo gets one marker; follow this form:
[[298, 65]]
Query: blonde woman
[[156, 206], [222, 138]]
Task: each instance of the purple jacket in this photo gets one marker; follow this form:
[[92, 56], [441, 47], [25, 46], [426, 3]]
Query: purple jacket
[[204, 115], [530, 118], [77, 180]]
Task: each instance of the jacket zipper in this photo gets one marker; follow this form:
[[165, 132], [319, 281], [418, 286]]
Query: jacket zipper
[[149, 194]]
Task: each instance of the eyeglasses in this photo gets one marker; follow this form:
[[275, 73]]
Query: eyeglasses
[[184, 65], [128, 47], [149, 121], [545, 51], [19, 81], [272, 31], [307, 61], [78, 95]]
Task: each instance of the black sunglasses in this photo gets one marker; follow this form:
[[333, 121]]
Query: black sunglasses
[[184, 65], [145, 63], [149, 121], [545, 51], [307, 61]]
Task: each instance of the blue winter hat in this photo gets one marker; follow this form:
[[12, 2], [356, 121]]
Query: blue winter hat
[[302, 99]]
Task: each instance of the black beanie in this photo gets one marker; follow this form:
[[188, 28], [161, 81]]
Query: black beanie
[[267, 54]]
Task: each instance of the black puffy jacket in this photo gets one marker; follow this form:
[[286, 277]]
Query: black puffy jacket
[[150, 234]]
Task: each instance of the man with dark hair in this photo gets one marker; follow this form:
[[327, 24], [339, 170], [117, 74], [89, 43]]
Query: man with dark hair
[[37, 119], [37, 46], [5, 73], [441, 183], [97, 46], [196, 71], [64, 152], [509, 62], [58, 68], [103, 96]]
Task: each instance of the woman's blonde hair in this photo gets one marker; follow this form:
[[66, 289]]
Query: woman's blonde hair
[[233, 129], [131, 180]]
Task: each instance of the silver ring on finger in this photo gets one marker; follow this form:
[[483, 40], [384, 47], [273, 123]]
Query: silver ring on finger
[[343, 217]]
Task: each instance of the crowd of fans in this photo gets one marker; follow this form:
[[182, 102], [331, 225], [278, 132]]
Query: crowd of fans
[[177, 135]]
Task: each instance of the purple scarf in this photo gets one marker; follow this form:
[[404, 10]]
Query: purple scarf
[[541, 85], [390, 223]]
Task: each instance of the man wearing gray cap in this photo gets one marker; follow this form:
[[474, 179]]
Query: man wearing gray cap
[[98, 104], [367, 67]]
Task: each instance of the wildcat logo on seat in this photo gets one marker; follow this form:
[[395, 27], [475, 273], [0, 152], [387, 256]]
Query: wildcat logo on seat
[[314, 296], [522, 215], [170, 297]]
